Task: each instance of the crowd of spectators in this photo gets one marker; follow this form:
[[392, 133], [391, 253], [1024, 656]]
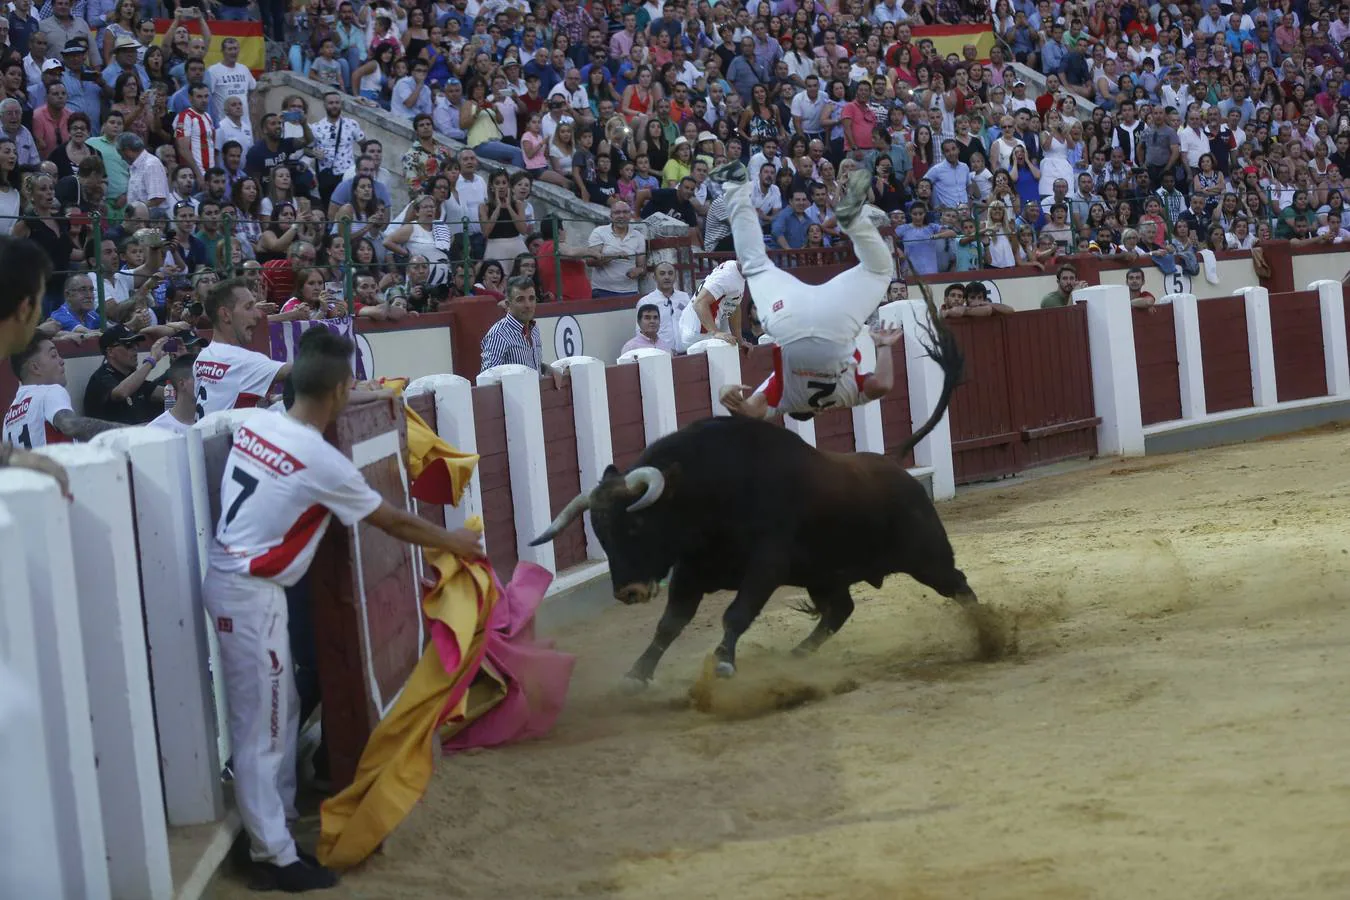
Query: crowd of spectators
[[1215, 126]]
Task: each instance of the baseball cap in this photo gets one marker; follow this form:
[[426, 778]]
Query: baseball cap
[[75, 45], [52, 64], [120, 335]]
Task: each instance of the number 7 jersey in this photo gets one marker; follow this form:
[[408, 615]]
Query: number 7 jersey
[[282, 483]]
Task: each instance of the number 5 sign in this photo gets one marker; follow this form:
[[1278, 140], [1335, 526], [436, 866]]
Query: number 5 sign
[[567, 338], [1177, 282]]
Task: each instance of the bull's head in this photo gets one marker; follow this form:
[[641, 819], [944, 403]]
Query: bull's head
[[628, 518]]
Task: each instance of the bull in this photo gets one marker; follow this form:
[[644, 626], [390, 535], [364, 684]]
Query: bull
[[740, 504]]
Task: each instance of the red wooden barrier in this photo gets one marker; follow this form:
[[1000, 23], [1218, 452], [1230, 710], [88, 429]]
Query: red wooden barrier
[[1155, 352], [896, 422], [985, 443], [834, 431], [1227, 359], [1296, 329], [625, 414], [693, 400], [1050, 383], [494, 473], [560, 460], [1027, 395]]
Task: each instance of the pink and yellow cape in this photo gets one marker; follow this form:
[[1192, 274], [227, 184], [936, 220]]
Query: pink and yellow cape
[[482, 680]]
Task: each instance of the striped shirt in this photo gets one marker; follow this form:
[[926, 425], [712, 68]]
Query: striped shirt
[[200, 134], [508, 343]]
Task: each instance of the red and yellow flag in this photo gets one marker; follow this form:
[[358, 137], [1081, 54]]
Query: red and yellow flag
[[953, 38], [252, 46]]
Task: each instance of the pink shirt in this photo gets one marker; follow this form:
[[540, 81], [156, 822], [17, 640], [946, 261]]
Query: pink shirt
[[49, 133], [861, 120]]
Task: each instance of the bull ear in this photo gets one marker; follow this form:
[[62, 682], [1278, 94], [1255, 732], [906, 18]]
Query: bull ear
[[611, 471]]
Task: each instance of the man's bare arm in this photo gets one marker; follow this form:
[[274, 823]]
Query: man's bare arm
[[464, 543], [81, 428]]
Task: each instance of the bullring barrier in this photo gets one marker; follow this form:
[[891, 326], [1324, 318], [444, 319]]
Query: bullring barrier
[[1095, 378]]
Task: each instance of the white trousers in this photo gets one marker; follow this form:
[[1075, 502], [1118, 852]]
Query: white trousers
[[250, 619], [790, 309]]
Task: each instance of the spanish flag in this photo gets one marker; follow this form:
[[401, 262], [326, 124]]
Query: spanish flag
[[252, 46], [953, 38]]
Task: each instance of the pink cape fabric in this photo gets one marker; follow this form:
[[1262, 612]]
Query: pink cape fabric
[[537, 675]]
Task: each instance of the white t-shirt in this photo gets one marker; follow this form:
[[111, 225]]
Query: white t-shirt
[[167, 421], [229, 81], [613, 275], [671, 307], [790, 389], [282, 483], [229, 377], [727, 286], [30, 421]]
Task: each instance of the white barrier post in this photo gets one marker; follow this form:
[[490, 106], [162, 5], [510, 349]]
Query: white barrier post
[[30, 862], [656, 377], [1190, 358], [171, 588], [1330, 295], [867, 432], [1260, 345], [724, 368], [117, 666], [45, 541], [1115, 372], [925, 378], [595, 444], [455, 426], [525, 457]]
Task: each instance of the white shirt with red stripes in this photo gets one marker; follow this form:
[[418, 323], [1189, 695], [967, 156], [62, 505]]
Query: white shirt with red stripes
[[200, 134], [230, 377], [791, 389], [30, 420], [282, 484]]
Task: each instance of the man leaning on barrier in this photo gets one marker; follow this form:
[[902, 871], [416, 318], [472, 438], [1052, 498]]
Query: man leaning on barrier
[[20, 308]]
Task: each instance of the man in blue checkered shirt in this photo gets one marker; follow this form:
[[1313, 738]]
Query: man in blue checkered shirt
[[515, 339]]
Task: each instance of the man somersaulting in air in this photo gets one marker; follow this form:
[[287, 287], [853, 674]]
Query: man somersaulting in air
[[814, 328]]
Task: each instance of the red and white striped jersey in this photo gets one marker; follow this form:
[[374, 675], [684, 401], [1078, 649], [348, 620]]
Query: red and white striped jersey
[[30, 419], [230, 377], [282, 484], [200, 134], [794, 389]]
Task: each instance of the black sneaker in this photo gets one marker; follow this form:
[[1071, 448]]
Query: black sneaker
[[299, 877]]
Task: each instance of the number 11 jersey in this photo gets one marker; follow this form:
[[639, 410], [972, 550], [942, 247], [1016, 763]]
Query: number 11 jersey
[[282, 483]]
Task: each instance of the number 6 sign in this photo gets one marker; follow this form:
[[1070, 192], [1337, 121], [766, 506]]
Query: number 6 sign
[[567, 338]]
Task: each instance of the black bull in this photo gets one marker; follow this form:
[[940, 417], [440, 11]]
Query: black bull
[[733, 503]]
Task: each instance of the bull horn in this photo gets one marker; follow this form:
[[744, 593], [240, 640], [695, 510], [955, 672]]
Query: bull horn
[[579, 504], [650, 479]]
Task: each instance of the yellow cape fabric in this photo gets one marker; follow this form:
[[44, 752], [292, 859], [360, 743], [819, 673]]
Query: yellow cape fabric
[[396, 764]]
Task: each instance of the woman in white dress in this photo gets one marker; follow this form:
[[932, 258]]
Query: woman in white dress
[[1054, 154], [418, 237]]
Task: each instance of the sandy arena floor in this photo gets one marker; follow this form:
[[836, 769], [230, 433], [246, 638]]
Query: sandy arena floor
[[1176, 724]]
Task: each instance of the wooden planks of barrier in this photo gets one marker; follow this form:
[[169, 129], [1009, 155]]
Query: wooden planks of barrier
[[365, 593], [1226, 357], [1296, 333], [1155, 352]]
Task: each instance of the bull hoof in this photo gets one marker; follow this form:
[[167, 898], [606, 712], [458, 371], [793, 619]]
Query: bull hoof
[[632, 684], [724, 669]]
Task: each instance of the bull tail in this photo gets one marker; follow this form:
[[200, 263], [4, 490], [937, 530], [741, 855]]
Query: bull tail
[[942, 348], [808, 607]]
